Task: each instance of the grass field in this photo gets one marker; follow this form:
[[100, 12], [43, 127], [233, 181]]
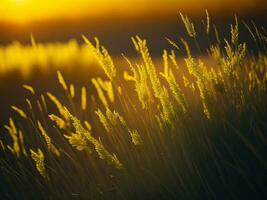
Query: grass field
[[184, 126]]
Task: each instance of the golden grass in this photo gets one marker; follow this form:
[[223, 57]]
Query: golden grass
[[146, 131]]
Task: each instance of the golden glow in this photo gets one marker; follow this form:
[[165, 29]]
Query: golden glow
[[26, 10], [29, 10]]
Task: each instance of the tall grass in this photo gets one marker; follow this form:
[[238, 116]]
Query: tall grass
[[195, 131]]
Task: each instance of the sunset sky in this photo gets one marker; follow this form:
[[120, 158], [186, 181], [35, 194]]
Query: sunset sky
[[36, 10]]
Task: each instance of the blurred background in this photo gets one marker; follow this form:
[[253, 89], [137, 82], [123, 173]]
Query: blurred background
[[57, 27], [115, 21]]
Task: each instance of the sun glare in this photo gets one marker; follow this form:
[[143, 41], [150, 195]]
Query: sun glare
[[31, 10], [17, 1]]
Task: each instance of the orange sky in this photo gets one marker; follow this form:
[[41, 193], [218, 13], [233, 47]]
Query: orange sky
[[31, 10]]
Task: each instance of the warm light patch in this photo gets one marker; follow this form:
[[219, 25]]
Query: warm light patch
[[30, 10]]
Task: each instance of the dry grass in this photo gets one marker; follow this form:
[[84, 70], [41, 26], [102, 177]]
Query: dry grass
[[190, 131]]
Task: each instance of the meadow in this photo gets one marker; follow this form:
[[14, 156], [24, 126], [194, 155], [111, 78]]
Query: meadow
[[185, 126]]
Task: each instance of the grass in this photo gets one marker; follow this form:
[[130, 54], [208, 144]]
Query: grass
[[192, 131], [44, 57]]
